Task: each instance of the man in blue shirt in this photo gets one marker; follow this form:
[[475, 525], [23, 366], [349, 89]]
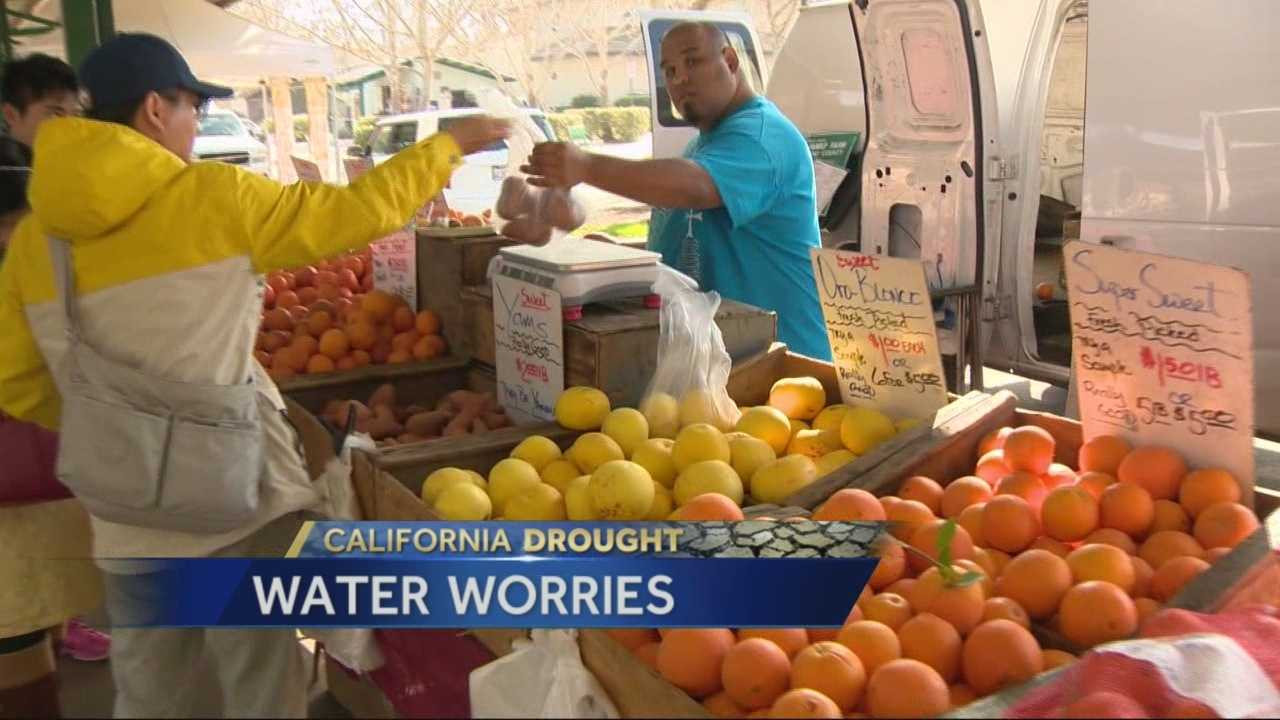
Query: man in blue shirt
[[738, 211]]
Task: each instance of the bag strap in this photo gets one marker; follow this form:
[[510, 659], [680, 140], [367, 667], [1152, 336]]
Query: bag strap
[[65, 280]]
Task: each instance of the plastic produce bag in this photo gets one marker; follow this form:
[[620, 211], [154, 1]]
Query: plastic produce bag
[[543, 678], [534, 215], [693, 365]]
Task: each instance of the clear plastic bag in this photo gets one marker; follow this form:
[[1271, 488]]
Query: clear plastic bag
[[543, 678], [533, 215], [689, 384]]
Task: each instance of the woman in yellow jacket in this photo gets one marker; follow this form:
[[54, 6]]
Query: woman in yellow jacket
[[168, 261]]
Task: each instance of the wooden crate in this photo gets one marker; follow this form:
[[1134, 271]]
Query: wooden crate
[[445, 267], [425, 382], [614, 346]]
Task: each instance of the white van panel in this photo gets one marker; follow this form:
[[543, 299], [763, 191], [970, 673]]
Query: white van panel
[[817, 76]]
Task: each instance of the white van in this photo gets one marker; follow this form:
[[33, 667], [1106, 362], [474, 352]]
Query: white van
[[475, 186], [972, 132], [226, 137]]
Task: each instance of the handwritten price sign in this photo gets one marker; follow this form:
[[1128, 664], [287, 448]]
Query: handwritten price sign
[[1164, 353], [528, 333], [395, 265], [880, 322]]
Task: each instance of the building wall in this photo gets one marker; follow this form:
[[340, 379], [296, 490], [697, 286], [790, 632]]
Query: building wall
[[569, 77]]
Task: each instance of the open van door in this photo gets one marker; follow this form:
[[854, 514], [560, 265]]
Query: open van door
[[671, 134]]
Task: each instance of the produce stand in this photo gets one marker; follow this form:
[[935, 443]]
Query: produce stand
[[446, 265], [613, 347]]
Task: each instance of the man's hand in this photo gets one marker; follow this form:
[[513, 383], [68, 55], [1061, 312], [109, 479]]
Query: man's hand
[[557, 164], [476, 133]]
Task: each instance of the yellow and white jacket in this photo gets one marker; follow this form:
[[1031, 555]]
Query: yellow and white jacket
[[169, 263]]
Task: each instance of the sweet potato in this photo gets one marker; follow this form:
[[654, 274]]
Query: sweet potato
[[497, 420], [384, 425], [385, 395], [333, 410], [460, 424], [478, 426], [363, 415], [428, 424], [408, 438]]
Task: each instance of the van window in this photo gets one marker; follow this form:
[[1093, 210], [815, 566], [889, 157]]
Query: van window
[[446, 123], [739, 38], [392, 139]]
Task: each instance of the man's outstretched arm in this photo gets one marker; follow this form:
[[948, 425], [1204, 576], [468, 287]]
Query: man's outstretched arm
[[671, 183]]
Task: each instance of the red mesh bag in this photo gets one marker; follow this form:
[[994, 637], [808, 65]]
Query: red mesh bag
[[1185, 665], [426, 673]]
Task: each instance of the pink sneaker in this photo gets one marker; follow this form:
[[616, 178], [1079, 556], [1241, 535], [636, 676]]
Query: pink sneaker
[[85, 644]]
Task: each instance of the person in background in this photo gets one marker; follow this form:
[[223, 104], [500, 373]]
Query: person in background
[[738, 213], [35, 89], [168, 257]]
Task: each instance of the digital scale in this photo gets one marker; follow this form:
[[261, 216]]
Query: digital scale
[[582, 272]]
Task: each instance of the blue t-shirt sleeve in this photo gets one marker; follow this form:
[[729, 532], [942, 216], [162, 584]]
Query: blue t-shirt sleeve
[[742, 170]]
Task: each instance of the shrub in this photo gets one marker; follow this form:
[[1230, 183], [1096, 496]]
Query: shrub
[[639, 100], [364, 129], [301, 128], [585, 101]]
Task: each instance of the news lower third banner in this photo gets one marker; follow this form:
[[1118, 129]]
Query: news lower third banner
[[508, 575]]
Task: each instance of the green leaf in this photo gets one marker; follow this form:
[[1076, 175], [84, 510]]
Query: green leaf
[[965, 580], [944, 543]]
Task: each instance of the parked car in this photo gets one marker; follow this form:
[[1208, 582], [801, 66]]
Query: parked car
[[976, 153], [475, 186], [225, 137]]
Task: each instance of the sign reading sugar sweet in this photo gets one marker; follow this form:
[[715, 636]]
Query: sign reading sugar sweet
[[1163, 352], [528, 335], [883, 340]]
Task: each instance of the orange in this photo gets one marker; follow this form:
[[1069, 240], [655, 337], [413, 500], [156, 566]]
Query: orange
[[648, 654], [399, 357], [791, 640], [1009, 523], [402, 319], [907, 516], [1025, 485], [1128, 508], [874, 643], [1213, 555], [833, 670], [925, 540], [346, 362], [1095, 482], [1142, 574], [827, 634], [1059, 475], [962, 493], [320, 364], [923, 490], [1056, 658], [278, 319], [1101, 562], [690, 659], [962, 695], [971, 520], [1203, 488], [888, 608], [998, 560], [1165, 546], [1173, 575], [934, 642], [361, 358], [1224, 525], [851, 505], [1114, 538], [425, 348], [361, 336], [632, 638], [1003, 608], [709, 507], [755, 673], [1104, 454], [404, 342], [334, 343], [887, 502], [1169, 515], [906, 587], [318, 321], [992, 466], [380, 305], [993, 440], [804, 703], [1069, 514], [1146, 607], [288, 299], [960, 606], [987, 561], [1159, 470], [893, 563], [427, 323], [722, 706], [1096, 612], [1030, 449], [988, 583], [1036, 580], [907, 689], [1057, 547], [998, 654]]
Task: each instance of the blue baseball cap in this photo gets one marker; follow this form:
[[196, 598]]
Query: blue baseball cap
[[130, 65]]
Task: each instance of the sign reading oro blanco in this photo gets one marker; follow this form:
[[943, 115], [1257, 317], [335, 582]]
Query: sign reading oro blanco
[[528, 334], [1163, 351], [883, 340]]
